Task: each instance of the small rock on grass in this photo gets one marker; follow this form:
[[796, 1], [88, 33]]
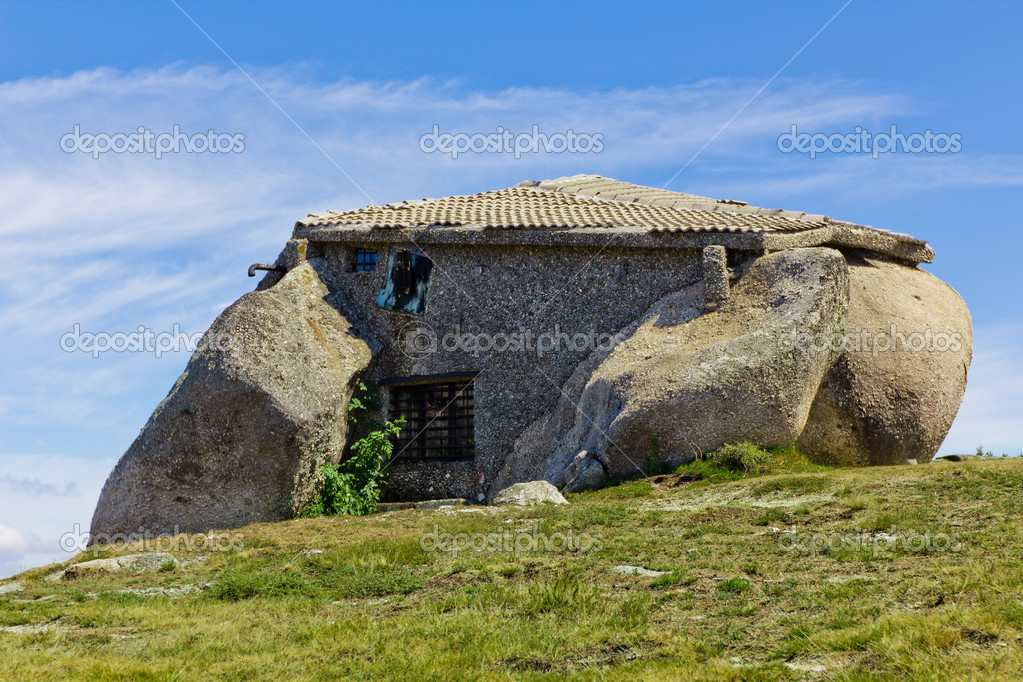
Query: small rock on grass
[[528, 494], [139, 563], [638, 570]]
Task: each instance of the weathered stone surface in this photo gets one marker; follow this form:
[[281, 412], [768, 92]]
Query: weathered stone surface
[[172, 592], [528, 494], [11, 588], [585, 472], [895, 389], [138, 563], [49, 597], [684, 383], [715, 277], [260, 407]]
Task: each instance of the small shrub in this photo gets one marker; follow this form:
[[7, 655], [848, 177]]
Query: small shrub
[[742, 457], [708, 472], [353, 486], [169, 566]]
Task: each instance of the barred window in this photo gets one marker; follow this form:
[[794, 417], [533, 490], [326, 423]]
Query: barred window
[[438, 420], [365, 259]]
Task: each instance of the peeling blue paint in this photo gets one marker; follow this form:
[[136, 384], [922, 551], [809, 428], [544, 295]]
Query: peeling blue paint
[[406, 281]]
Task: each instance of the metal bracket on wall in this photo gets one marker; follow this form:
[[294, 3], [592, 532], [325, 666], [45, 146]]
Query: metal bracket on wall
[[264, 266]]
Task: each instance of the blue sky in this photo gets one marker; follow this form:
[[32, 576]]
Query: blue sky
[[332, 100]]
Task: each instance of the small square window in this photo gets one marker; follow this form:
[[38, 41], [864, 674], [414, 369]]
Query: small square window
[[365, 259]]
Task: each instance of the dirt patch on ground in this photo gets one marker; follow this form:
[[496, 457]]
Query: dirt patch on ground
[[671, 481]]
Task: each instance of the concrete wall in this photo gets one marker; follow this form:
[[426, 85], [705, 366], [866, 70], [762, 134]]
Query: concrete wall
[[484, 291]]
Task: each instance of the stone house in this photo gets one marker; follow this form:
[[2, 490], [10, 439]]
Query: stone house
[[559, 329]]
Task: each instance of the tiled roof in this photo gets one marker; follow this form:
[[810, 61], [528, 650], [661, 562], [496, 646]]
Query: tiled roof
[[530, 207], [581, 201], [616, 190]]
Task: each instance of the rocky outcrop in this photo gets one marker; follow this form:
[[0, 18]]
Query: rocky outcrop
[[260, 407], [895, 389], [136, 563], [683, 383]]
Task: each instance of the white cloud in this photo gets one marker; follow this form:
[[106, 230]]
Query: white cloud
[[13, 541], [992, 411], [31, 526]]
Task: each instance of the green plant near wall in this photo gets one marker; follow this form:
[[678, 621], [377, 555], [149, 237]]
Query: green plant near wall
[[353, 486], [365, 400]]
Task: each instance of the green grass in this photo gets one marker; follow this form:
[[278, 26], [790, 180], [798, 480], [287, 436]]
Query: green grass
[[735, 602], [735, 585]]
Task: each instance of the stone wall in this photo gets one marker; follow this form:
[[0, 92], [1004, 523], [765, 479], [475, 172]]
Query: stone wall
[[479, 292]]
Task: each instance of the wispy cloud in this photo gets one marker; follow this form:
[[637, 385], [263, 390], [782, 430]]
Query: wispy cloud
[[34, 486]]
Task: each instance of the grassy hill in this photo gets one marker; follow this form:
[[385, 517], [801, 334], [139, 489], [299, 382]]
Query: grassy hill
[[912, 572]]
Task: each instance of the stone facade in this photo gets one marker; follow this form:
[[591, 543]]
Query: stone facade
[[480, 295]]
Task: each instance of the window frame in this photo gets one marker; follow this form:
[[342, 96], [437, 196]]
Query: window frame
[[444, 433], [362, 262]]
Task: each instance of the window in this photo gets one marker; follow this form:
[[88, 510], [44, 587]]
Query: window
[[365, 259], [408, 278], [438, 419]]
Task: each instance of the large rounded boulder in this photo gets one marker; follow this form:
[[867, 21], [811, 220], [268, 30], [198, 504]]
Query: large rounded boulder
[[241, 437], [897, 385]]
